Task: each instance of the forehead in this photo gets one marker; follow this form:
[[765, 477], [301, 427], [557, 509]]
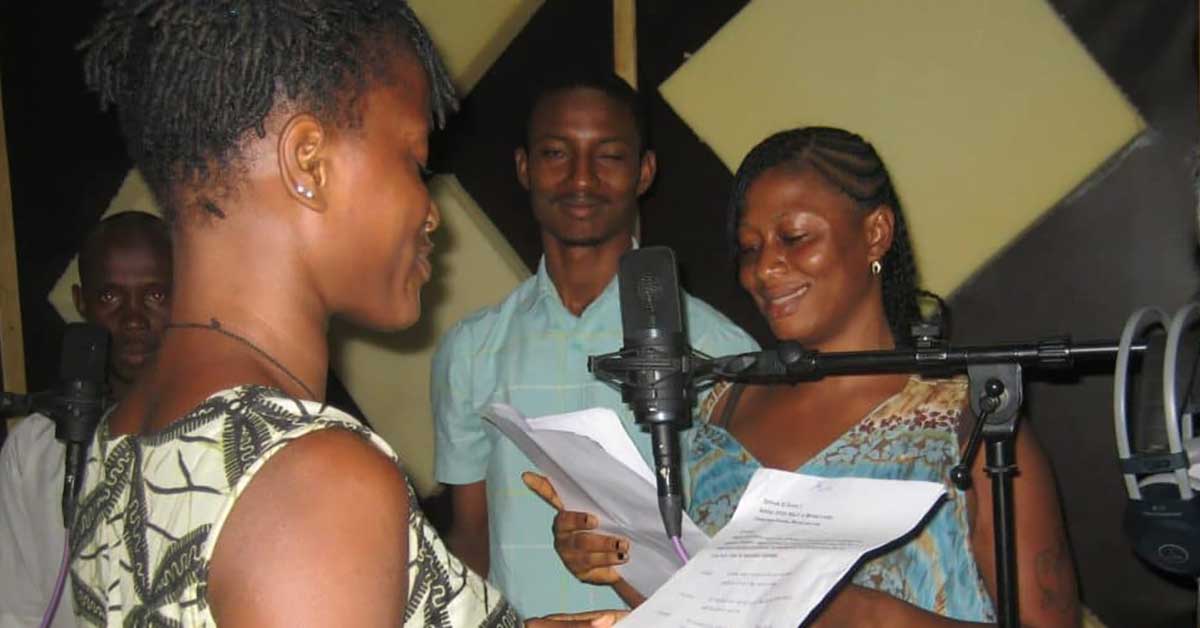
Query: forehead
[[581, 110], [130, 260], [786, 190], [400, 96]]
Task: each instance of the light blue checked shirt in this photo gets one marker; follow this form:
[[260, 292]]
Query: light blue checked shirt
[[531, 353]]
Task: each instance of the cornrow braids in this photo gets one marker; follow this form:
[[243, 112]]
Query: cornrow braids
[[190, 78], [851, 164]]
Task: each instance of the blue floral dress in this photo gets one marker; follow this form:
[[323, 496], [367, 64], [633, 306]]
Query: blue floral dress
[[911, 436]]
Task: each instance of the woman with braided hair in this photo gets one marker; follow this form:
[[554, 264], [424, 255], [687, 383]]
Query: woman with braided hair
[[822, 247], [286, 141]]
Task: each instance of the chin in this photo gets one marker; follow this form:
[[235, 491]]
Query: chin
[[387, 319], [797, 331]]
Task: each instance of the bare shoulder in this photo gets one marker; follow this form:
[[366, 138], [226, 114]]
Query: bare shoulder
[[318, 537]]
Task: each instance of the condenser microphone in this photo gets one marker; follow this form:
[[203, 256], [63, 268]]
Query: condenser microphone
[[79, 402], [654, 367]]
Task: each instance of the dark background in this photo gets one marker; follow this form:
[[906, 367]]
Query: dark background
[[1127, 241]]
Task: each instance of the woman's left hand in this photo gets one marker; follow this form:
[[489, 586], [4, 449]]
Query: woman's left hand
[[590, 556]]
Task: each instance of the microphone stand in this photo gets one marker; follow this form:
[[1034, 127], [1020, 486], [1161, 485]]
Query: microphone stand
[[995, 385]]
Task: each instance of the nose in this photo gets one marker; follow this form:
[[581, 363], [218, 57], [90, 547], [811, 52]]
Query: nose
[[583, 175], [433, 219], [771, 261], [134, 316]]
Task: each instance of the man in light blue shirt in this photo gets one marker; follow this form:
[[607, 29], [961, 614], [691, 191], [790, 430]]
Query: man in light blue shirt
[[584, 164]]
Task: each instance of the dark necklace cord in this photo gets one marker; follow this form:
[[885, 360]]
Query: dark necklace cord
[[215, 325]]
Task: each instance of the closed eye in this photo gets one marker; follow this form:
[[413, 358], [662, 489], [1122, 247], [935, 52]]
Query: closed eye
[[793, 238]]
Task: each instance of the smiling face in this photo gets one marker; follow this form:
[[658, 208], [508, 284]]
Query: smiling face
[[584, 167], [375, 260], [805, 251]]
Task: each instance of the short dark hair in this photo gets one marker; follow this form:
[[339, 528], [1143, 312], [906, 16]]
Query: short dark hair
[[123, 226], [851, 164], [190, 78], [610, 84]]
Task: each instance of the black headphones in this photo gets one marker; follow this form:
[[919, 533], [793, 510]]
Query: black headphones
[[1162, 518]]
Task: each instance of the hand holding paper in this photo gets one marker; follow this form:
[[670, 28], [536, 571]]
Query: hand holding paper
[[595, 468], [791, 540], [591, 557]]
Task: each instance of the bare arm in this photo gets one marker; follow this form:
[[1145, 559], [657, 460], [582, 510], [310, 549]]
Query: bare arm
[[1045, 572], [319, 538], [1045, 578], [468, 535]]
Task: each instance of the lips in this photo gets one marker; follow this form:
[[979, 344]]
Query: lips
[[425, 266], [135, 352], [580, 206], [783, 301], [423, 263]]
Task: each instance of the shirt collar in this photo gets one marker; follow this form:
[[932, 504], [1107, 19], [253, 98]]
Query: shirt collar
[[546, 291]]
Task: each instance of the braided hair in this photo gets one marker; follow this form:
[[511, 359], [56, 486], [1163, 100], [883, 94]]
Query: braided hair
[[190, 78], [851, 164]]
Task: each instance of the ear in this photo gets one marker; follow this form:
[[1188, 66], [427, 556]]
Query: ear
[[77, 297], [521, 157], [649, 168], [879, 227], [303, 163]]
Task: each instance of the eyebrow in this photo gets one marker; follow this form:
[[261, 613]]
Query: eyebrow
[[562, 138]]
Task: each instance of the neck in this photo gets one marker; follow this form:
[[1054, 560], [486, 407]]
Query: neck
[[248, 281], [866, 330], [580, 273], [117, 386]]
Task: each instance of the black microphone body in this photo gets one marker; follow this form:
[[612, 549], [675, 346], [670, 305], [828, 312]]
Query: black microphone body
[[653, 368], [80, 402], [75, 406]]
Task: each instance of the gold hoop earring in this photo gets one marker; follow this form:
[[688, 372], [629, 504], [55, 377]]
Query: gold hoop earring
[[876, 267]]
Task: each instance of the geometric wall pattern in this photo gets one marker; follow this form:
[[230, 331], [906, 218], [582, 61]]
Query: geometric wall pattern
[[469, 41], [1117, 242], [987, 113]]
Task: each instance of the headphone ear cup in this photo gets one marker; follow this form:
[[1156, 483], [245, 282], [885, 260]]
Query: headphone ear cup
[[1165, 529]]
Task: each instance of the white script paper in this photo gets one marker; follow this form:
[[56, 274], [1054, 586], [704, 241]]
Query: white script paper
[[596, 468], [791, 540]]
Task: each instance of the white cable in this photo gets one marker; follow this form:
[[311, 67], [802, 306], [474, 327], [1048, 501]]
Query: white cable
[[1134, 328], [1184, 317]]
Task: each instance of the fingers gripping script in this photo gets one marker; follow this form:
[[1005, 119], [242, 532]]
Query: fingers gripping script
[[791, 541]]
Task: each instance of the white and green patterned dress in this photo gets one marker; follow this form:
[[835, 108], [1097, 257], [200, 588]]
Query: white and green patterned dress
[[152, 508]]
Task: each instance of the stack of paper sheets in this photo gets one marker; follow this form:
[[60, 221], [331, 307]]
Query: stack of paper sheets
[[791, 541]]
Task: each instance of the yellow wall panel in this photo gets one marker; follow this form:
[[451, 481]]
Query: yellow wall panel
[[987, 112], [471, 34]]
